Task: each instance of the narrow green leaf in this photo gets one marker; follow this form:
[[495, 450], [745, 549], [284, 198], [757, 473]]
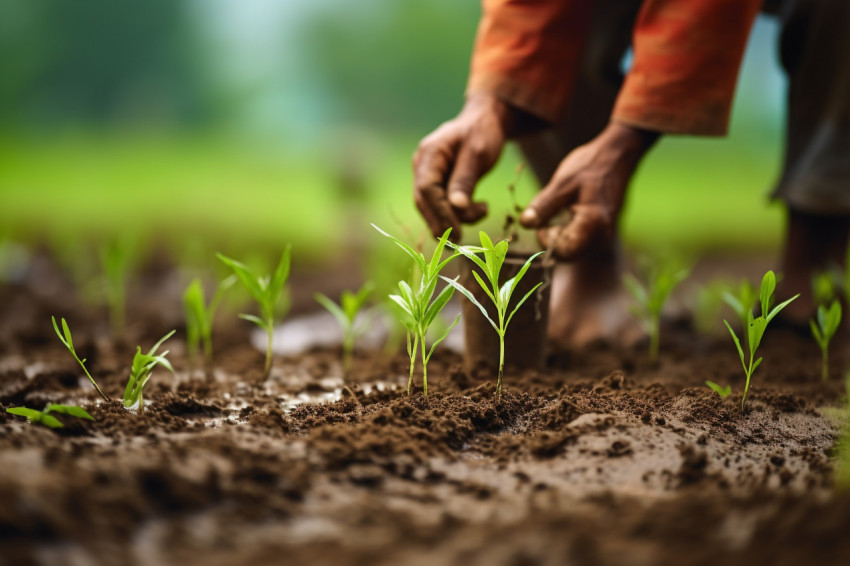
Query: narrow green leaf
[[722, 391], [72, 410], [32, 414], [733, 302], [249, 280], [256, 320], [816, 334], [67, 332], [520, 303], [779, 307], [433, 266], [159, 343], [463, 290], [416, 256], [757, 364], [435, 307], [737, 343], [340, 315], [755, 331], [402, 303], [636, 289], [281, 274], [483, 286], [768, 286], [522, 270], [441, 338], [50, 421]]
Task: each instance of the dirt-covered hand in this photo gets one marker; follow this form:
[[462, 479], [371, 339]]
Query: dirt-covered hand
[[449, 162], [591, 184]]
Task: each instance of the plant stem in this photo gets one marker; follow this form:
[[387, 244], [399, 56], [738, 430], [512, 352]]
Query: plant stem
[[501, 366], [825, 365], [82, 365], [269, 351], [654, 332], [424, 369], [347, 354], [411, 351]]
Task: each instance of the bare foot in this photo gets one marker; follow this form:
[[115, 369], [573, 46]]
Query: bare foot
[[590, 304], [813, 244]]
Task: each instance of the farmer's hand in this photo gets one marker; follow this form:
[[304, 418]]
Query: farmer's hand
[[449, 162], [591, 183]]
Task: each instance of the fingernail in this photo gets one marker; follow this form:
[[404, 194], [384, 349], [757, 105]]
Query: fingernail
[[529, 217], [458, 199]]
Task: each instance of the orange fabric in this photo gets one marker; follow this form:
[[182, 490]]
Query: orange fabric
[[686, 59], [526, 52]]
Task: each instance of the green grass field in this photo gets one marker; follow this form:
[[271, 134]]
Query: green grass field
[[690, 194]]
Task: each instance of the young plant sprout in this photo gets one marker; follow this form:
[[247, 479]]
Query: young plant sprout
[[115, 258], [743, 303], [266, 290], [65, 338], [345, 313], [724, 392], [45, 418], [141, 371], [828, 321], [200, 316], [500, 295], [661, 279], [756, 327], [418, 307]]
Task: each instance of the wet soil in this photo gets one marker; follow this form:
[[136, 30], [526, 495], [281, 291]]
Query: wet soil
[[600, 458]]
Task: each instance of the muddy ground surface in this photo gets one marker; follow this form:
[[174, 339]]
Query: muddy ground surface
[[601, 458]]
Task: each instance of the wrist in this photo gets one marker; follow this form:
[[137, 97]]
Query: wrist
[[630, 140], [514, 121]]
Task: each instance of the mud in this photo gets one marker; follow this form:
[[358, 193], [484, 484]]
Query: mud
[[599, 458]]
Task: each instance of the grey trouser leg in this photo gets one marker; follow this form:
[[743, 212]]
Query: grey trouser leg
[[815, 52]]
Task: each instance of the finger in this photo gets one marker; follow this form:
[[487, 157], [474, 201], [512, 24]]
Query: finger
[[591, 224], [438, 212], [547, 203], [472, 213], [471, 165], [431, 165]]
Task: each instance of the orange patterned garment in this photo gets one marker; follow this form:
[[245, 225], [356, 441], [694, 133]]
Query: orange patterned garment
[[686, 59]]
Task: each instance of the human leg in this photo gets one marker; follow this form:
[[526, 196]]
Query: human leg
[[587, 298], [815, 182]]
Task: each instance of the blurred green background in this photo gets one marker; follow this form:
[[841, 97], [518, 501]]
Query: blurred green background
[[212, 123]]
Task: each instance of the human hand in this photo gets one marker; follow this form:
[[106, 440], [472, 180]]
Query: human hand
[[449, 162], [591, 183]]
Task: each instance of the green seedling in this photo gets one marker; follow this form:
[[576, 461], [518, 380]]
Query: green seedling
[[743, 302], [661, 278], [68, 341], [141, 371], [724, 392], [345, 313], [420, 307], [708, 306], [266, 291], [200, 315], [45, 418], [824, 286], [828, 321], [756, 327], [500, 295], [115, 260]]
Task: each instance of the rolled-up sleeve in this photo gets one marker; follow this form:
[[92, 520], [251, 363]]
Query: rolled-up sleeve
[[687, 54], [527, 52]]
